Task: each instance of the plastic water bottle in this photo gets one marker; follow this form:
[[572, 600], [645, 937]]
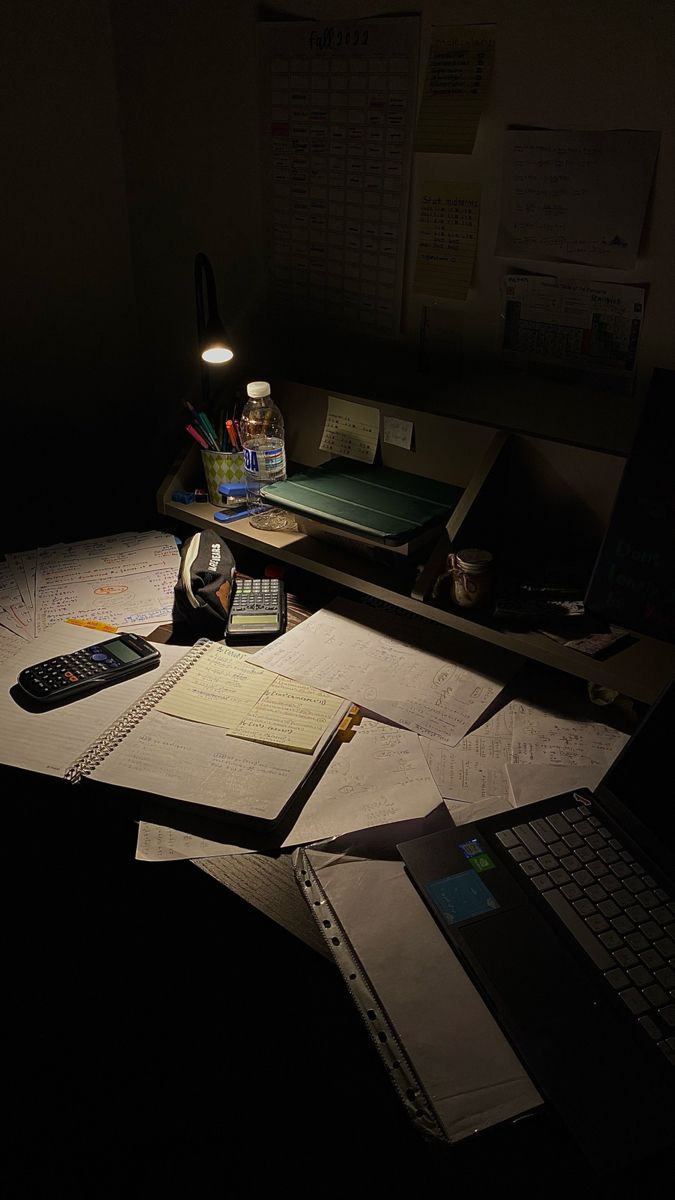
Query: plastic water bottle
[[262, 439]]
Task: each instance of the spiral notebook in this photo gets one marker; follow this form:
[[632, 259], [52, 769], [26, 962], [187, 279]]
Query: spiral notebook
[[118, 736]]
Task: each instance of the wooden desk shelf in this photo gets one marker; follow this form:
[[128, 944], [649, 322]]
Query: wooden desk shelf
[[641, 670]]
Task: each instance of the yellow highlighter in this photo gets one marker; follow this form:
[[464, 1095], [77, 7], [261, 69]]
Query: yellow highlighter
[[92, 624]]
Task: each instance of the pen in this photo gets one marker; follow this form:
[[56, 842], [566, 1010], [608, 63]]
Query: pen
[[209, 430], [198, 437], [202, 425], [236, 425], [229, 425]]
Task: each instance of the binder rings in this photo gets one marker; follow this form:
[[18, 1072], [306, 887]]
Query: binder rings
[[449, 1061]]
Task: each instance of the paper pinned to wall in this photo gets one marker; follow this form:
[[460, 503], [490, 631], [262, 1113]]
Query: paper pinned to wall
[[447, 238], [576, 196], [397, 432], [578, 330], [456, 80], [351, 430]]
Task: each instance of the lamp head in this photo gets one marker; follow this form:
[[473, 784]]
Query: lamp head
[[213, 342]]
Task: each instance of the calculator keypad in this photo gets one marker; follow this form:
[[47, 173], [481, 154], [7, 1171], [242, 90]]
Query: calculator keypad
[[259, 596], [64, 670]]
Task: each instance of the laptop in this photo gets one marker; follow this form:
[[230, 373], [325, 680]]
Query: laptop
[[563, 912]]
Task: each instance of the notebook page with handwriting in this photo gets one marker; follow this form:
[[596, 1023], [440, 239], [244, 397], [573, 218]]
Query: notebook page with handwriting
[[52, 740]]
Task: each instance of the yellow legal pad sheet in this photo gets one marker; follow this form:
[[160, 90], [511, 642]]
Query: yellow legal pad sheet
[[224, 689]]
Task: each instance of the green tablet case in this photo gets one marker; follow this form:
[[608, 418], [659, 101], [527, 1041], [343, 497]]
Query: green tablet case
[[390, 507]]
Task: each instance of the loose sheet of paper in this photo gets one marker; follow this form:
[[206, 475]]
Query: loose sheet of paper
[[447, 239], [456, 80], [220, 689], [473, 770], [530, 782], [576, 196], [225, 689], [124, 579], [386, 663], [380, 776], [161, 843], [289, 714], [351, 429], [543, 737], [584, 331]]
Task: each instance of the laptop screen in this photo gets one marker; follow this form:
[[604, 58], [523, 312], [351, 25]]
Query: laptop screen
[[642, 779]]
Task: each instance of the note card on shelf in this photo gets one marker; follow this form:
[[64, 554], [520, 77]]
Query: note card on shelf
[[398, 432], [351, 429]]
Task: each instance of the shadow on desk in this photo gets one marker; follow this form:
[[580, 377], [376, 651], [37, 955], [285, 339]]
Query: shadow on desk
[[163, 1035]]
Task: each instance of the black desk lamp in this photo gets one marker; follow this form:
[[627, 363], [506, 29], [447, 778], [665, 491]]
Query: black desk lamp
[[213, 342]]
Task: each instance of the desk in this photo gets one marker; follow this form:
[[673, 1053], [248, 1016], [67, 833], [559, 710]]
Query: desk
[[165, 1032]]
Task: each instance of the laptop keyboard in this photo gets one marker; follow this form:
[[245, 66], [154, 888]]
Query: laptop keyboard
[[610, 904]]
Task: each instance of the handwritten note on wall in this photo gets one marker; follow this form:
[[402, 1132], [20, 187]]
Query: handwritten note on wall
[[457, 77], [351, 429], [448, 233], [576, 197]]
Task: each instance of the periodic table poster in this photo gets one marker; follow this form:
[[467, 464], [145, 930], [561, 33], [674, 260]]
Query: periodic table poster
[[338, 122]]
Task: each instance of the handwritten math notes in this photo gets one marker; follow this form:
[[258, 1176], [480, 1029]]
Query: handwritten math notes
[[379, 777], [393, 667], [576, 196], [457, 77], [223, 688], [351, 430]]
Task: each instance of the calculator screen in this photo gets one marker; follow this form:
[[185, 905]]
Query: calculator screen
[[243, 619], [121, 650]]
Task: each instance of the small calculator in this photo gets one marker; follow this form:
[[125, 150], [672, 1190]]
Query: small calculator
[[258, 609], [69, 676]]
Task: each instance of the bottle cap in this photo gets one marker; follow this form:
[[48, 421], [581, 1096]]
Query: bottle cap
[[258, 389]]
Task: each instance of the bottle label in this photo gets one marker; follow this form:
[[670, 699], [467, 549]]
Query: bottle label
[[267, 461]]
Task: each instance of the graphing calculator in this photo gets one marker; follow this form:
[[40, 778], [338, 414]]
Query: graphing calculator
[[258, 610], [69, 676]]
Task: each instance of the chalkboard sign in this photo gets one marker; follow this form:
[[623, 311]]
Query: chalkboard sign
[[633, 581]]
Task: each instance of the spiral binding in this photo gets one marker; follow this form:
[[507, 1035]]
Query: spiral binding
[[115, 733], [398, 1065]]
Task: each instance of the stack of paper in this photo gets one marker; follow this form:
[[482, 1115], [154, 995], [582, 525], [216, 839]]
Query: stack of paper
[[123, 580]]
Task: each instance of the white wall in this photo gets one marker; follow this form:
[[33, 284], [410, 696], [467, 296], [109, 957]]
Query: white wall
[[189, 94]]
